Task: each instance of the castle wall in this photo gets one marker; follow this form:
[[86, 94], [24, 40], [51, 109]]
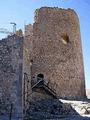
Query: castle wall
[[11, 58], [57, 52], [52, 47], [27, 58]]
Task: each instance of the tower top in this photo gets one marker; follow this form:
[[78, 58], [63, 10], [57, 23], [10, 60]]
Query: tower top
[[55, 10]]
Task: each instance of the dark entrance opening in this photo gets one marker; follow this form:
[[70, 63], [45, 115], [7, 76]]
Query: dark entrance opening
[[40, 77]]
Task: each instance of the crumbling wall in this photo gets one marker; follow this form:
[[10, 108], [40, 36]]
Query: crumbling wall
[[11, 60], [57, 52]]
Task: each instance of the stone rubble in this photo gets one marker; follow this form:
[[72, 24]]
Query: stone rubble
[[47, 109], [54, 109]]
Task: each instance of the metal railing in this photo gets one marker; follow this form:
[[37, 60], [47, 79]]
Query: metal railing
[[50, 86]]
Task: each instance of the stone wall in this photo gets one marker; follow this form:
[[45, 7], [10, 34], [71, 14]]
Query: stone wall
[[57, 52], [27, 63], [11, 60], [52, 47]]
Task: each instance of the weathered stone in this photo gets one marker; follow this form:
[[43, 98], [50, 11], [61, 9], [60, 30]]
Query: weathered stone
[[57, 52], [11, 74], [51, 47]]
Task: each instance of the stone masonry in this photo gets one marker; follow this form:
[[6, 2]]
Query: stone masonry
[[50, 48], [57, 52], [11, 55]]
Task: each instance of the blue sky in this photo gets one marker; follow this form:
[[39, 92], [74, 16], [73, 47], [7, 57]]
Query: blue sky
[[22, 12]]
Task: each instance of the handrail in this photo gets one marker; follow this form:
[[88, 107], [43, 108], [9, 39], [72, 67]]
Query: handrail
[[48, 83], [36, 83], [45, 85]]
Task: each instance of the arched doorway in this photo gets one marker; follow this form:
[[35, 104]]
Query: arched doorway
[[40, 77]]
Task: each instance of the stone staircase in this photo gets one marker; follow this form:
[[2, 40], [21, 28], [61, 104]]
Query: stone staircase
[[42, 84]]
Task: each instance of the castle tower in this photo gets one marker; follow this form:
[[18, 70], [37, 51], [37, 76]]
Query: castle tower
[[57, 52]]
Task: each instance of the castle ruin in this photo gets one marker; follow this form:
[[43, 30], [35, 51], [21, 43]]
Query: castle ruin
[[46, 62]]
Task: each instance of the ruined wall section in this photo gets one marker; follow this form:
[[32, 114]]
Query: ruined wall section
[[27, 62], [27, 47], [57, 51], [11, 54]]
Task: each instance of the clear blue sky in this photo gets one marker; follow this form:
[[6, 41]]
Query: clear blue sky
[[22, 12]]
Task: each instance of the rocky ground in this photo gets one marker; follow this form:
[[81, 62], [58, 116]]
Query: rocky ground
[[59, 110], [81, 107]]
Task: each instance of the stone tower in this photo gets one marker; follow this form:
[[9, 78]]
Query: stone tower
[[57, 52]]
